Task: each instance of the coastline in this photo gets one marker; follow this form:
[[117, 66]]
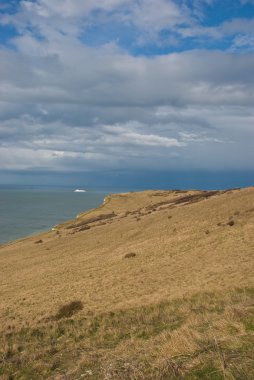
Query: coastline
[[79, 217], [28, 212]]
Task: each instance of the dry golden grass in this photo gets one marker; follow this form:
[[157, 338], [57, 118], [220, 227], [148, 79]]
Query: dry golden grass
[[151, 285]]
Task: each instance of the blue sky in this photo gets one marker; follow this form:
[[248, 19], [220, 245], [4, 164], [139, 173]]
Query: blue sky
[[118, 86]]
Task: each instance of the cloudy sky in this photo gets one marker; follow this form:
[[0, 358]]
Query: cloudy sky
[[119, 86]]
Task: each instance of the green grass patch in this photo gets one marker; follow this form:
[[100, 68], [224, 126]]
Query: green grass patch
[[249, 324], [207, 371]]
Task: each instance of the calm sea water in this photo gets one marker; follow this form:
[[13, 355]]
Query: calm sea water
[[29, 211]]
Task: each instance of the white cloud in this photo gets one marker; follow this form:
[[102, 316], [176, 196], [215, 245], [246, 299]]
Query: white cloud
[[151, 140], [120, 135], [69, 8], [67, 106], [13, 158], [154, 15], [194, 137], [243, 41], [51, 20]]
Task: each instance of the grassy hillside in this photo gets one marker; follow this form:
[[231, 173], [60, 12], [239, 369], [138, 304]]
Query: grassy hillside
[[151, 285]]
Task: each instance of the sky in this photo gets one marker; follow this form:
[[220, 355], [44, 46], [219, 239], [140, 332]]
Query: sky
[[118, 91]]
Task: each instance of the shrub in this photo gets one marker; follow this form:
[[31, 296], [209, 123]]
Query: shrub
[[68, 310], [38, 241], [129, 255]]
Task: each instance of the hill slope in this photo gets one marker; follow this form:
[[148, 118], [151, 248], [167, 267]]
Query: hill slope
[[151, 285]]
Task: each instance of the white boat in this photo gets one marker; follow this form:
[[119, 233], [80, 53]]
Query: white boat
[[79, 191]]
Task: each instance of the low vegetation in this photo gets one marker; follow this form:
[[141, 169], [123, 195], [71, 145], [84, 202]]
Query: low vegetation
[[129, 255], [107, 298], [38, 241], [68, 310], [209, 335]]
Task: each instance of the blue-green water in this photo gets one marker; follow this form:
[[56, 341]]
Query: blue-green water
[[28, 211]]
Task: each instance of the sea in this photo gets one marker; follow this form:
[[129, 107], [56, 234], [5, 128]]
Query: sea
[[27, 211]]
